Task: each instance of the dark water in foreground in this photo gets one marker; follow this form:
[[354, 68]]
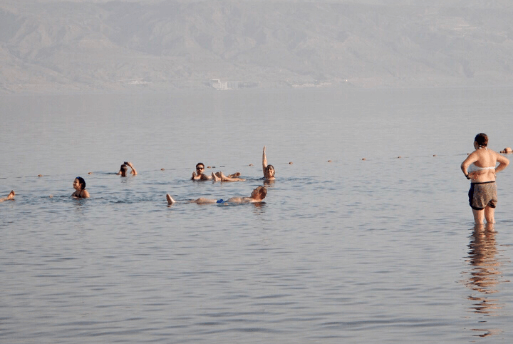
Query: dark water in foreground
[[380, 250]]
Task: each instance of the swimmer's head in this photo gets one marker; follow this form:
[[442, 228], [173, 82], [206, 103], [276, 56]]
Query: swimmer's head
[[200, 167], [123, 170], [259, 193], [481, 140], [270, 170], [79, 182]]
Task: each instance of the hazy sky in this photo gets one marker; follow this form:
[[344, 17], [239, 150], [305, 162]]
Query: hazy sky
[[55, 46]]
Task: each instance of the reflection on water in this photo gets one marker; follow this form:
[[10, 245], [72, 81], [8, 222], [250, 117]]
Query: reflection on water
[[485, 275]]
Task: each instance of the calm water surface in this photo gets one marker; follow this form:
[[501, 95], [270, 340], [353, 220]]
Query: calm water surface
[[380, 250]]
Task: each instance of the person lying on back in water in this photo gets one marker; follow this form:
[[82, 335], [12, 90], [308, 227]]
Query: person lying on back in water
[[257, 195], [200, 175]]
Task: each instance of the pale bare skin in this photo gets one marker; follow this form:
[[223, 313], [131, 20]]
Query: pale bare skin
[[199, 175], [483, 157], [220, 177], [122, 171], [9, 197], [257, 195], [268, 170], [79, 193]]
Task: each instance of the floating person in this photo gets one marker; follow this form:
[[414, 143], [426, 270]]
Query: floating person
[[257, 195], [124, 168], [220, 177], [480, 168], [269, 170], [200, 175], [79, 184], [507, 150], [9, 197]]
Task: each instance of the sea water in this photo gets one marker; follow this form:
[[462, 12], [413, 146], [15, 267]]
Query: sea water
[[366, 235]]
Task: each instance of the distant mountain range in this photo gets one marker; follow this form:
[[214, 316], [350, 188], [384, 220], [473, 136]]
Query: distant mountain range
[[116, 46]]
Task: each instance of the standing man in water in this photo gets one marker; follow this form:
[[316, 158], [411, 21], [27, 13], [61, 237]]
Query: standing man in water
[[480, 168]]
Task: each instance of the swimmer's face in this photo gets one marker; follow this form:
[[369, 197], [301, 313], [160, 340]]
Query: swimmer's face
[[270, 170], [76, 184], [200, 169]]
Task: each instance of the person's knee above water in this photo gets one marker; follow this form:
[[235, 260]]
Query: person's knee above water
[[257, 195], [10, 197], [480, 167], [79, 184]]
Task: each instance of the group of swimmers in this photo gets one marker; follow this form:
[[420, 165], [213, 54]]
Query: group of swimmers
[[480, 167], [257, 195]]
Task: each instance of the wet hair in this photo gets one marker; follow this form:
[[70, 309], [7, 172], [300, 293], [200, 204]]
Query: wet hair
[[200, 163], [82, 182], [481, 139], [269, 167], [262, 191], [123, 168]]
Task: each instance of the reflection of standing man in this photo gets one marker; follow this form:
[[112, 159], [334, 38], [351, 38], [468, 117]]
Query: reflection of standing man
[[485, 274]]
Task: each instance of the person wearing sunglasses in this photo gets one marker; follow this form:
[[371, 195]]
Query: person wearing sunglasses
[[199, 174], [218, 176]]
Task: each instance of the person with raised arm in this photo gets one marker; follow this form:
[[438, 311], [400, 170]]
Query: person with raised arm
[[124, 168], [269, 170]]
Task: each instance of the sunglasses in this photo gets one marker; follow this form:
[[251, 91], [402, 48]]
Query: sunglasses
[[200, 168]]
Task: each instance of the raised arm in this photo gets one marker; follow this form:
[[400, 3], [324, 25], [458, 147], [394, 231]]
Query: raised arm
[[264, 162], [134, 172]]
